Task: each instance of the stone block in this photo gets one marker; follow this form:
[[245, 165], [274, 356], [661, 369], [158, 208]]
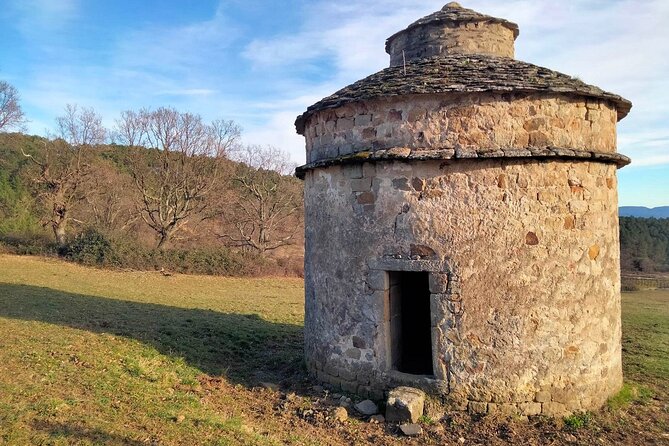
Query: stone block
[[554, 410], [354, 171], [361, 120], [369, 169], [542, 397], [353, 353], [376, 394], [331, 369], [529, 409], [365, 198], [405, 404], [504, 409], [477, 408], [578, 206], [361, 184], [395, 115], [438, 283], [401, 184], [349, 386], [344, 124], [378, 280]]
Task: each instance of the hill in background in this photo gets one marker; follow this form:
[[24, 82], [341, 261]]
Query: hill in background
[[641, 211]]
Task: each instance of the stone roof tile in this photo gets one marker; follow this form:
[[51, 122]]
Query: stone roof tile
[[462, 73]]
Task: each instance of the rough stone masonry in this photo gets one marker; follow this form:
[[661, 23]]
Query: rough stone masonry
[[462, 227]]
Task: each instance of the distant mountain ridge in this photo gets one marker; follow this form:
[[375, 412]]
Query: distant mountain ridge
[[641, 211]]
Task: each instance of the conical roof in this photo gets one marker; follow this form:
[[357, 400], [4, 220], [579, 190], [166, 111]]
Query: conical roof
[[463, 73]]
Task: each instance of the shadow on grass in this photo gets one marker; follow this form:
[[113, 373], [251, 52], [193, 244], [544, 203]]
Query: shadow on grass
[[242, 347], [78, 433]]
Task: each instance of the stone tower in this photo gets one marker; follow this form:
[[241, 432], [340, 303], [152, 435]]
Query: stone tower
[[462, 226]]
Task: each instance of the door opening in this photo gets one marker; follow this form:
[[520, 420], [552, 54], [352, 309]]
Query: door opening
[[410, 322]]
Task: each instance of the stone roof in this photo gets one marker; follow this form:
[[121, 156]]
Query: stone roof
[[454, 13], [460, 73]]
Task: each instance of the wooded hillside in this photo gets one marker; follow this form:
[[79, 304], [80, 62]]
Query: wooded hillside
[[644, 244], [131, 206]]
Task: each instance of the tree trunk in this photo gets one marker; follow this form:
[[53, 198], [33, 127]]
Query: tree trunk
[[164, 238], [60, 232]]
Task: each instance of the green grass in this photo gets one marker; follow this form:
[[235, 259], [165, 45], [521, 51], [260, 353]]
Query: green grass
[[646, 338], [94, 357], [97, 357], [630, 393]]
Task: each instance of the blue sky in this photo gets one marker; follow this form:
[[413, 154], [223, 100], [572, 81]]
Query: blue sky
[[262, 63]]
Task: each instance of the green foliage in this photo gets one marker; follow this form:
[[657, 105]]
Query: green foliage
[[17, 210], [425, 419], [644, 244], [28, 244], [90, 248], [578, 420]]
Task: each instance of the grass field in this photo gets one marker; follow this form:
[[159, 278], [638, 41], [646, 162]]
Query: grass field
[[126, 358]]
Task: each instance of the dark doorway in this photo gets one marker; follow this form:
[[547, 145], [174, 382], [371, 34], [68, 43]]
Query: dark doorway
[[410, 323]]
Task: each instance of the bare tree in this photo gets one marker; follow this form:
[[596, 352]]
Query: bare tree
[[81, 127], [109, 203], [130, 127], [58, 179], [265, 158], [11, 114], [175, 178], [63, 166], [268, 209]]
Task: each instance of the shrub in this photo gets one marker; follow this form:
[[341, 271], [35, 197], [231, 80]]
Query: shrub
[[94, 248], [28, 244], [578, 420], [90, 248]]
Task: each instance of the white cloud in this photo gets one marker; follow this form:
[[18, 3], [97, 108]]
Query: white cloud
[[621, 46]]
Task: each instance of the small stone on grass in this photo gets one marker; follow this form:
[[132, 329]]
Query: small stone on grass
[[411, 429], [367, 407], [340, 414], [378, 418]]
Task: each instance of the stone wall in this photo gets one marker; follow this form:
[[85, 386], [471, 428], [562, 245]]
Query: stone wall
[[524, 274], [492, 39], [467, 123]]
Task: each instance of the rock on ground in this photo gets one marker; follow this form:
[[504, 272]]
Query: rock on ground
[[340, 414], [411, 429], [367, 407], [405, 404], [378, 418]]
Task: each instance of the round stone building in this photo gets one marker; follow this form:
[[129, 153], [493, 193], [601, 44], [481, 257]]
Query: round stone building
[[462, 226]]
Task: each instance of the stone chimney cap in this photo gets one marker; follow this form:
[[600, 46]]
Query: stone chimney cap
[[454, 13]]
